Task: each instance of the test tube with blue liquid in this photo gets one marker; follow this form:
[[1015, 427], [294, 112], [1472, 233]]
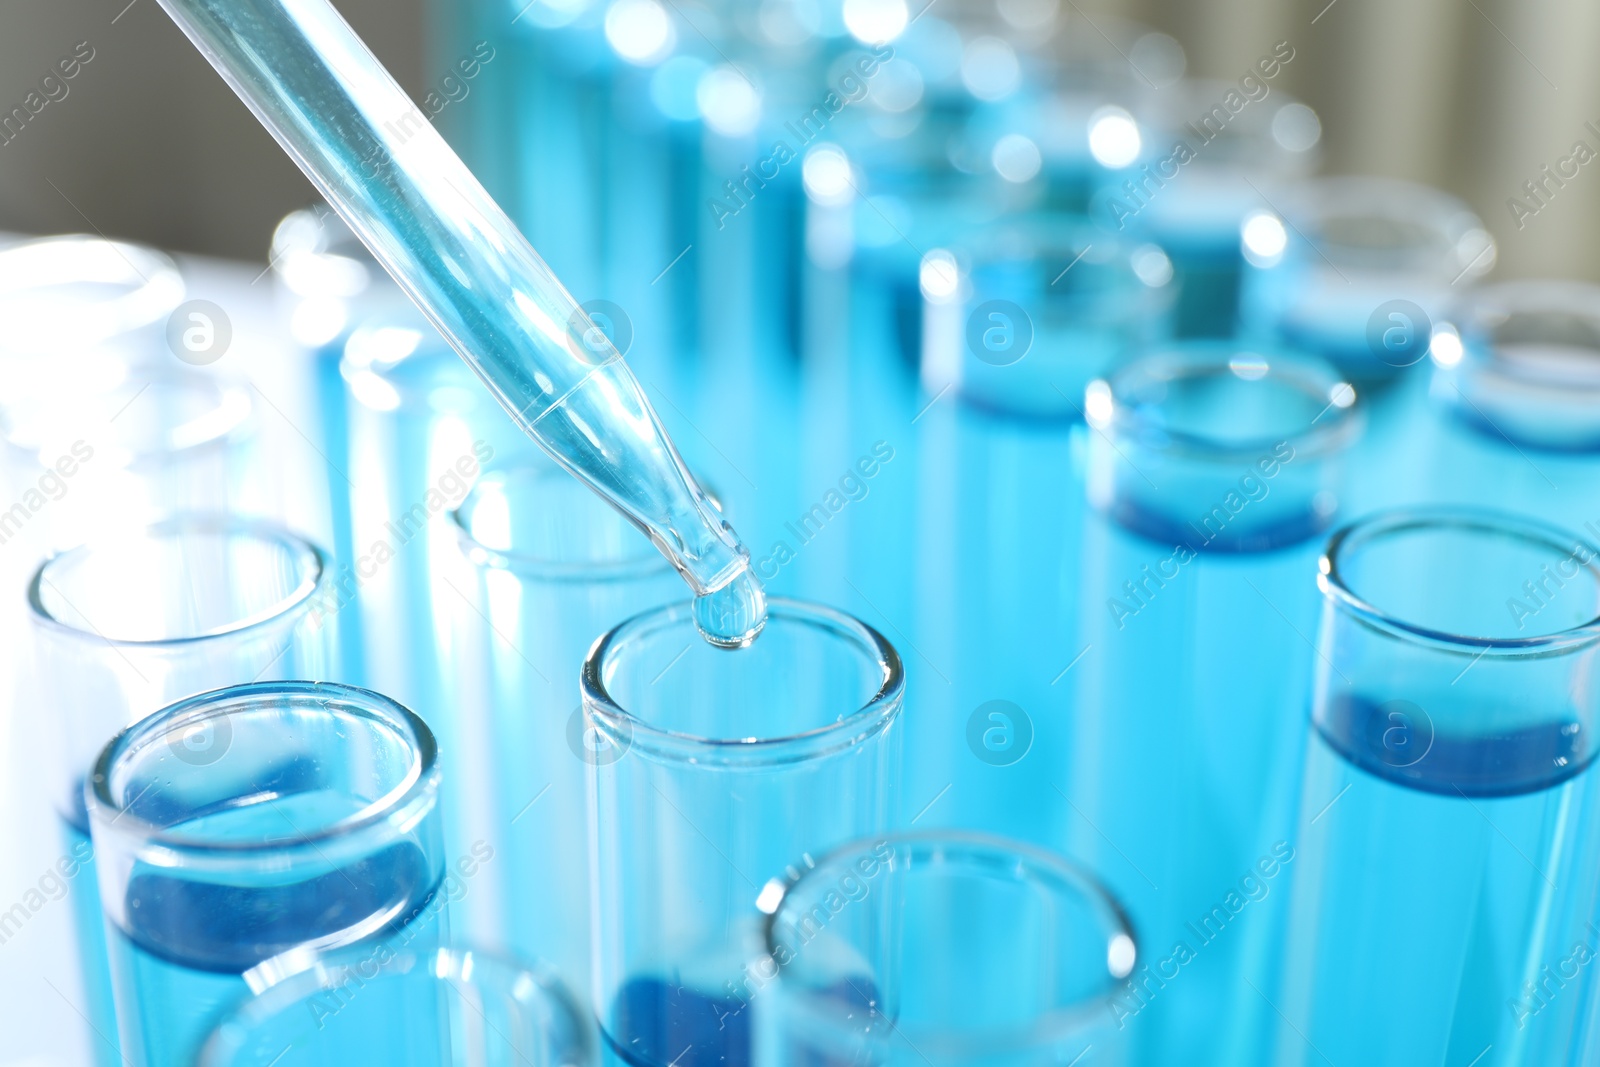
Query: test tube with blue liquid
[[552, 568], [1515, 384], [309, 823], [1352, 259], [121, 628], [483, 1010], [1213, 469], [992, 603], [862, 966], [1447, 782], [1210, 172], [732, 768], [421, 431]]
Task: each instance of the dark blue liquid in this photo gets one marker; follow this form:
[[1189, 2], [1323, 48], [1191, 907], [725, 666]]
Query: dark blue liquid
[[1244, 533], [178, 964], [657, 1022], [1403, 744]]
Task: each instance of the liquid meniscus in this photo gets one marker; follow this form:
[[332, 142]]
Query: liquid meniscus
[[732, 616]]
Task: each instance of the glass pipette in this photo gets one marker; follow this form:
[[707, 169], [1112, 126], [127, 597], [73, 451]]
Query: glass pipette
[[378, 160]]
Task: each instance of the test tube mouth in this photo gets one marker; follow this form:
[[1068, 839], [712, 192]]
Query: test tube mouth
[[534, 992], [1524, 364], [791, 925], [1462, 542], [1223, 402], [156, 747], [535, 520], [1385, 226], [674, 625], [64, 591], [1220, 448], [82, 290], [157, 417]]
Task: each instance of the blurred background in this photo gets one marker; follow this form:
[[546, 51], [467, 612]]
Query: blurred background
[[1471, 96]]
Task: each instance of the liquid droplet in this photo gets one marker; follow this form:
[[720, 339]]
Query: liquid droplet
[[732, 616]]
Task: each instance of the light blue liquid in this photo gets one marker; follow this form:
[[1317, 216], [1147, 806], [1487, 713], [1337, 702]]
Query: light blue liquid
[[1440, 875], [180, 962], [91, 930]]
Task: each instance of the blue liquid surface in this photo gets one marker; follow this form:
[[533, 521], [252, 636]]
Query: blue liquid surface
[[1398, 741], [179, 964]]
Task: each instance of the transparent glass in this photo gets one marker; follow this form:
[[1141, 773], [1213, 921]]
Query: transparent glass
[[1220, 447], [1440, 856], [420, 432], [453, 1007], [1357, 269], [124, 626], [72, 295], [309, 822], [1528, 367], [1021, 319], [1212, 170], [730, 766], [940, 948], [1211, 468], [553, 568], [379, 161], [154, 443]]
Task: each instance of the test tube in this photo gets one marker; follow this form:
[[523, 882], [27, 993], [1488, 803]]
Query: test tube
[[1020, 319], [84, 298], [124, 626], [864, 964], [1212, 169], [552, 568], [156, 442], [1440, 859], [1355, 269], [420, 431], [731, 766], [310, 822], [1213, 469], [1514, 392], [453, 1007]]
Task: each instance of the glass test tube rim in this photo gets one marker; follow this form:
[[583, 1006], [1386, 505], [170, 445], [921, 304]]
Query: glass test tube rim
[[1332, 582], [317, 563], [1488, 306], [232, 428], [1307, 205], [874, 716], [400, 808], [1336, 428], [981, 851], [647, 563], [161, 288], [528, 982]]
